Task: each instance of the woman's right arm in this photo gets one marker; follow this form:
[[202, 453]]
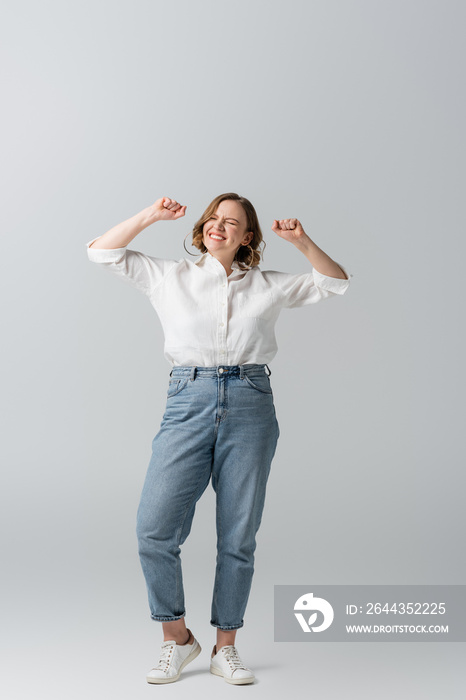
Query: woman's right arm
[[121, 235], [142, 271]]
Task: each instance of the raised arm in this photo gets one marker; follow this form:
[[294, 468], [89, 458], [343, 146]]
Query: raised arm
[[292, 231], [110, 250], [121, 235]]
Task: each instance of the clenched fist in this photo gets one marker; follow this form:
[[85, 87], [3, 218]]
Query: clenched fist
[[289, 229], [167, 209]]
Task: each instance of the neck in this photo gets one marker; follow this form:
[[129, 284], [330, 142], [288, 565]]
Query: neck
[[226, 262]]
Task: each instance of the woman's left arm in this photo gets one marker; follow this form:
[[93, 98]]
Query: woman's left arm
[[292, 231]]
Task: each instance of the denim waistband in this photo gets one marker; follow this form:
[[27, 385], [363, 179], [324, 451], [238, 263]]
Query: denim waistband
[[219, 370]]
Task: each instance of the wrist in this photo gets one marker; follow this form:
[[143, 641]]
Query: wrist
[[303, 243], [149, 216]]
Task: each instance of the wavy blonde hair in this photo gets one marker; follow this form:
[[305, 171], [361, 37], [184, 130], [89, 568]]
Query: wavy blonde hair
[[246, 256]]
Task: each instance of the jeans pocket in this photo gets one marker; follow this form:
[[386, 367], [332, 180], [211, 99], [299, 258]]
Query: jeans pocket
[[176, 385], [260, 382]]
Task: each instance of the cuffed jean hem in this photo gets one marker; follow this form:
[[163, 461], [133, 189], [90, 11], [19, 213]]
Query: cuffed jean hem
[[160, 618], [225, 628]]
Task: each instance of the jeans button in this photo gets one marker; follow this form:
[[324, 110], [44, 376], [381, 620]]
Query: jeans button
[[220, 370]]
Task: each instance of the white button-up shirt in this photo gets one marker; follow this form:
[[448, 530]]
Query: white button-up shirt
[[210, 318]]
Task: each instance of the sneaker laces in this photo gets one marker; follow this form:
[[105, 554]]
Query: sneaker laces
[[232, 656], [164, 660]]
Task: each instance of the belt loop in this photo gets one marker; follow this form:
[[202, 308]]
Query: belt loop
[[270, 371], [241, 372], [193, 373]]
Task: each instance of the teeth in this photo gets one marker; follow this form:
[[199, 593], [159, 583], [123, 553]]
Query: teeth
[[217, 238]]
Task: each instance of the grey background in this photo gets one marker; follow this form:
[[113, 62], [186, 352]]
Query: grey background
[[346, 115]]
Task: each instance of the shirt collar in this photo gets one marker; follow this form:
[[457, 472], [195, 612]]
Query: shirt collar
[[208, 260]]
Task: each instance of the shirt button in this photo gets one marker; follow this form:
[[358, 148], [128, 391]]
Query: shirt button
[[221, 324]]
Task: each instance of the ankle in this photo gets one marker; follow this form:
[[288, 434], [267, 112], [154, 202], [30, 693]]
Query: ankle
[[180, 640], [220, 645], [189, 640]]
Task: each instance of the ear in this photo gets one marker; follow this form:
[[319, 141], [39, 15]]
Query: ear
[[250, 236]]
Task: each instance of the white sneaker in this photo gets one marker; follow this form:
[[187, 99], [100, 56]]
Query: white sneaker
[[173, 658], [227, 663]]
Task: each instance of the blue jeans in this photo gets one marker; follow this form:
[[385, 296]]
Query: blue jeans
[[219, 422]]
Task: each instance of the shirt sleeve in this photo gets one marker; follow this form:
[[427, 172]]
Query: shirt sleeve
[[141, 271], [307, 287]]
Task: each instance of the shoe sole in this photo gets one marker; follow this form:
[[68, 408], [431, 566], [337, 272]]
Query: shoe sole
[[195, 652], [233, 681]]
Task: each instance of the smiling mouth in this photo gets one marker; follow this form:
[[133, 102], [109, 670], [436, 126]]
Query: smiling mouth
[[216, 237]]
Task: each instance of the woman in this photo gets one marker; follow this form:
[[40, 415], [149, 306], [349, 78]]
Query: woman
[[218, 315]]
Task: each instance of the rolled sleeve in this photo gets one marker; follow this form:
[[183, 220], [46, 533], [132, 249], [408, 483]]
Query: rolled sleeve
[[332, 284], [102, 255], [143, 272], [308, 287]]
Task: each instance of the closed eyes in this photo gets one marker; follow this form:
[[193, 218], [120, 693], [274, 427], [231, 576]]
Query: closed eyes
[[231, 220]]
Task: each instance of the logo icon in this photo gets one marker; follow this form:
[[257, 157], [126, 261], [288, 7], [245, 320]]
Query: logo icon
[[313, 605]]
